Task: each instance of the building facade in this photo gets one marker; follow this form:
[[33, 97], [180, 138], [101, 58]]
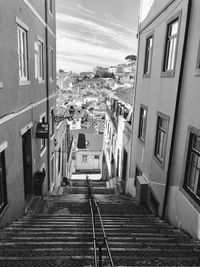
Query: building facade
[[117, 139], [88, 158], [165, 147], [27, 97]]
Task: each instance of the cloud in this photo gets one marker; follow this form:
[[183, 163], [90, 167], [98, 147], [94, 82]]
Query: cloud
[[85, 9], [85, 40], [112, 34]]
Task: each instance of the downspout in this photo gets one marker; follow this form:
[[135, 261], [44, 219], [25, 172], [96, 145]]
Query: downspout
[[177, 107], [134, 97], [47, 90]]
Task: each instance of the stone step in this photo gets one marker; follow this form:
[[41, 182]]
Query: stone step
[[84, 190], [83, 183], [88, 261], [72, 251]]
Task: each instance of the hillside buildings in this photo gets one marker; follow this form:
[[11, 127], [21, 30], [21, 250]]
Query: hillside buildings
[[27, 102], [166, 131]]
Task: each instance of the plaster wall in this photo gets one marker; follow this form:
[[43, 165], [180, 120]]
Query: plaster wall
[[181, 205], [158, 93], [92, 164]]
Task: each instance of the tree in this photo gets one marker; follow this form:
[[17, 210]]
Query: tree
[[60, 71], [131, 57]]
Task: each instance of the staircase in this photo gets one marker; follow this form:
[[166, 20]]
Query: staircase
[[57, 231]]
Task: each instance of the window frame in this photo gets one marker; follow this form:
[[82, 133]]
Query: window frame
[[83, 158], [40, 59], [51, 64], [51, 7], [197, 67], [159, 159], [42, 141], [97, 157], [22, 30], [171, 72], [147, 72], [52, 122], [141, 122], [192, 132]]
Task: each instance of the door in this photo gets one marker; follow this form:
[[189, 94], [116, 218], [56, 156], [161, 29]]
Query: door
[[27, 164], [124, 170]]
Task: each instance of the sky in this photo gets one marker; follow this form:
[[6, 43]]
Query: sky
[[95, 33]]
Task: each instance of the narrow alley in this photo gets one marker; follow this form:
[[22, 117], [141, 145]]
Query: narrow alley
[[57, 231]]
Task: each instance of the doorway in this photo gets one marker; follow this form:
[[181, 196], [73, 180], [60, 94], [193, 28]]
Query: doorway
[[27, 164], [124, 170]]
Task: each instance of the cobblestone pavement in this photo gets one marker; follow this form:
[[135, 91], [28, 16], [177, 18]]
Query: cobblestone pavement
[[57, 231]]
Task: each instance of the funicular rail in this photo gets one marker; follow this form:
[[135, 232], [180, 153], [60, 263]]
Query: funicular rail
[[93, 207]]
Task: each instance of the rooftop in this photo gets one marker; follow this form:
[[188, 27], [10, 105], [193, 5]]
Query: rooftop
[[94, 142], [125, 94], [75, 133]]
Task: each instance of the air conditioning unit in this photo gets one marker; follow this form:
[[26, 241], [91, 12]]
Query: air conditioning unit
[[141, 190]]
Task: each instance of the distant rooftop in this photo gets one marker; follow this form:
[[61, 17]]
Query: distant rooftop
[[75, 133], [125, 94]]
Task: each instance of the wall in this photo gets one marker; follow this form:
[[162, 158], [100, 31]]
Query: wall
[[22, 105], [158, 93], [91, 164], [180, 204]]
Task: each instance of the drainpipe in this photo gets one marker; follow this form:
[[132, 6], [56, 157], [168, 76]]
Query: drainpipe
[[177, 107], [136, 75], [47, 89]]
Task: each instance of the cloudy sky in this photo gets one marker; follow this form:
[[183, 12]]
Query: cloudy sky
[[95, 32]]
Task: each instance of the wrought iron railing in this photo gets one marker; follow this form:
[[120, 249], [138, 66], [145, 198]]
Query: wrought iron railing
[[98, 246]]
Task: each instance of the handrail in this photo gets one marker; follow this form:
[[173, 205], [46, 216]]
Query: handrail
[[104, 235], [93, 203], [94, 235]]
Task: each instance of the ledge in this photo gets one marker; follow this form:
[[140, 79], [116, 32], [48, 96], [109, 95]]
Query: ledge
[[167, 73], [1, 85], [24, 83], [197, 72], [41, 81]]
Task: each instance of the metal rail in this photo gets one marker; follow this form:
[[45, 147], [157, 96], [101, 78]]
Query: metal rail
[[93, 206]]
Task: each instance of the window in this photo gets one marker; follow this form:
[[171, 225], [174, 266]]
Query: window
[[161, 137], [192, 173], [40, 61], [22, 53], [42, 146], [142, 123], [52, 169], [148, 55], [52, 122], [3, 187], [96, 156], [198, 61], [59, 159], [51, 64], [51, 6], [171, 45], [84, 158]]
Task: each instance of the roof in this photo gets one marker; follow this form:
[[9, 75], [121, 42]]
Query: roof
[[95, 142], [89, 131], [125, 94], [100, 127]]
